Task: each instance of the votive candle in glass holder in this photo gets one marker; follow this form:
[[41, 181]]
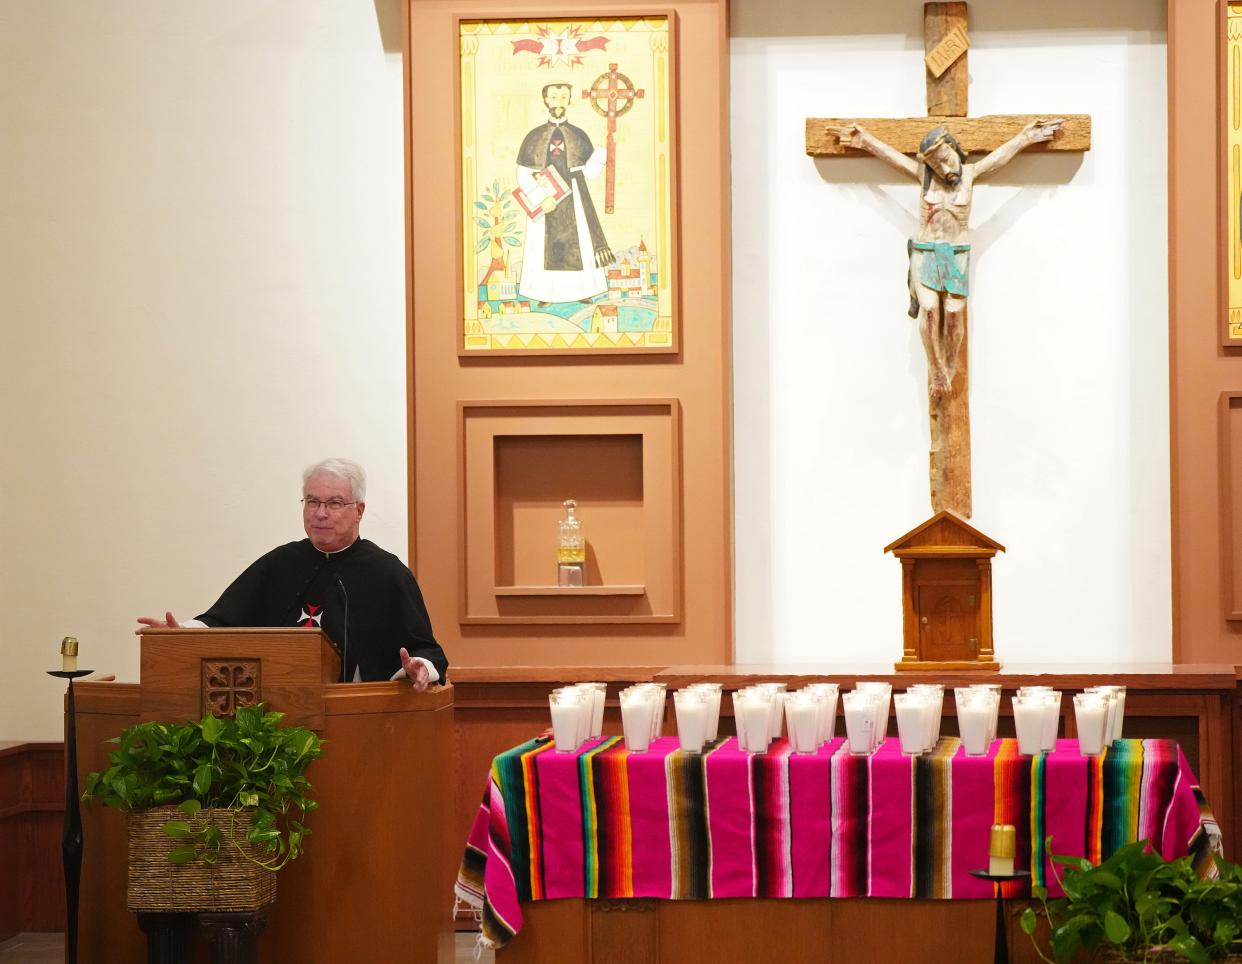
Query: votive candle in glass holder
[[599, 694], [884, 698], [1091, 717], [753, 708], [935, 693], [913, 713], [975, 712], [1052, 721], [830, 695], [1029, 713], [860, 717], [802, 713], [569, 707], [711, 692], [636, 709], [691, 709]]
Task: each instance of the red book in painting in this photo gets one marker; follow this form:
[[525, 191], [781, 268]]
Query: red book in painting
[[548, 184]]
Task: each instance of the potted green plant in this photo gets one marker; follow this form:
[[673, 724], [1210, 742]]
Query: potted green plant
[[215, 808], [1136, 906]]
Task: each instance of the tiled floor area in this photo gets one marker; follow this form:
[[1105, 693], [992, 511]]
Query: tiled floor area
[[50, 949]]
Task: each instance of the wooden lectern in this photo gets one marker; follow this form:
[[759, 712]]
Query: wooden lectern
[[376, 881]]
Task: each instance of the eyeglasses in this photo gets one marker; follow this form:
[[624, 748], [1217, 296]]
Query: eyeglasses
[[332, 505]]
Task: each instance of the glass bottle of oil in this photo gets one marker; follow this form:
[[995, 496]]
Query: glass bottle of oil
[[571, 549]]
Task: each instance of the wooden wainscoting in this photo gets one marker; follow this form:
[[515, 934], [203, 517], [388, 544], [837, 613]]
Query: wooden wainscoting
[[32, 814]]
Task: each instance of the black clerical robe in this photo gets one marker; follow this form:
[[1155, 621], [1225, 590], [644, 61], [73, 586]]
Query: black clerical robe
[[297, 585]]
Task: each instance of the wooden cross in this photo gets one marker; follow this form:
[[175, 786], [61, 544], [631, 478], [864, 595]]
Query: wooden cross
[[946, 40], [612, 95]]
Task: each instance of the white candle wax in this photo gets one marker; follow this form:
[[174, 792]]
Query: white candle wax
[[1028, 720], [599, 692], [566, 720], [1052, 722], [974, 720], [757, 718], [691, 722], [636, 722], [859, 724], [803, 724], [911, 723], [1092, 719], [1121, 712]]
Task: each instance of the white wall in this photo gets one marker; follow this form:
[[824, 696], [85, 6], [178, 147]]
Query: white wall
[[1068, 334], [201, 291]]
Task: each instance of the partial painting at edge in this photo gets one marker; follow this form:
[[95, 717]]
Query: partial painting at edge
[[566, 148], [1233, 166]]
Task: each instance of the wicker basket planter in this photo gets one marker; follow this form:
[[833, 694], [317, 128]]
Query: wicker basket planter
[[232, 883]]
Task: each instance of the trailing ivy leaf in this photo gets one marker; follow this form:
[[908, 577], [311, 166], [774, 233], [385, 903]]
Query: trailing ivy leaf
[[1028, 921], [177, 828], [202, 779], [212, 728], [190, 808], [1116, 928], [182, 855], [1191, 949]]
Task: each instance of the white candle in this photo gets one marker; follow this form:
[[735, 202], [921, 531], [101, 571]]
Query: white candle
[[802, 717], [691, 709], [566, 723], [1052, 722], [69, 655], [974, 720], [636, 721], [912, 716], [1091, 715], [1028, 720], [599, 694], [860, 714], [757, 717]]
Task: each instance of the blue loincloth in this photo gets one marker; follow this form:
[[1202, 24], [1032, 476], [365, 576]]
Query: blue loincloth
[[941, 271]]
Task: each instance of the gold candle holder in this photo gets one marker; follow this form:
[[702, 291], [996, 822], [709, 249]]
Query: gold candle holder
[[69, 654], [1002, 848]]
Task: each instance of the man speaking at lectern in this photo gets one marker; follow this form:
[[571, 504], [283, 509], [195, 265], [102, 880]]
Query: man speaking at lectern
[[364, 598]]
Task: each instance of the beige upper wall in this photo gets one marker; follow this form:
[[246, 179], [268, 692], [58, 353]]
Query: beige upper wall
[[201, 291]]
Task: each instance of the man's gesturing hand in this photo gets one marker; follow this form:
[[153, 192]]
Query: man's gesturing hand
[[169, 621], [415, 671]]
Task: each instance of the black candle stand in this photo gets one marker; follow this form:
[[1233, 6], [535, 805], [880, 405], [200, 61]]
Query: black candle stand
[[1001, 955], [71, 836]]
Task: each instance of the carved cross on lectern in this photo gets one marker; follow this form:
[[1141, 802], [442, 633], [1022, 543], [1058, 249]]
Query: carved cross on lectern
[[939, 254]]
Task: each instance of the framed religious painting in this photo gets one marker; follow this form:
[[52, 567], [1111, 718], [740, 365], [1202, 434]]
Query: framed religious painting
[[1231, 172], [566, 157]]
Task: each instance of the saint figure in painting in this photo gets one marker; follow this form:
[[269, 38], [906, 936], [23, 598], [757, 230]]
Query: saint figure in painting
[[565, 252]]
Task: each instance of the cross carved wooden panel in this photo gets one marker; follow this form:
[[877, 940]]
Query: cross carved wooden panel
[[229, 684]]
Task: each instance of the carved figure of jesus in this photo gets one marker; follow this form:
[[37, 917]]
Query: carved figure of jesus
[[940, 252]]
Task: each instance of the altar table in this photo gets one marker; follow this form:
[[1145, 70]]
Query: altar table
[[601, 822]]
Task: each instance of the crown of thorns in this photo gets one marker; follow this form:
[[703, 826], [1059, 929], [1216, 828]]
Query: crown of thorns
[[934, 138]]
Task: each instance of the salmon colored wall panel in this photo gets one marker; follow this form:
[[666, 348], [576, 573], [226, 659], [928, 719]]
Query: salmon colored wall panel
[[1200, 368], [682, 542]]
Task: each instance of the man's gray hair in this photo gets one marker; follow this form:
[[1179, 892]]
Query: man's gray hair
[[344, 469]]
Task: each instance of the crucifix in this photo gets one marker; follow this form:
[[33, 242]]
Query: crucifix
[[612, 95], [934, 150]]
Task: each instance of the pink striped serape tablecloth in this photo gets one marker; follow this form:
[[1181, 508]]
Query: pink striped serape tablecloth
[[604, 822]]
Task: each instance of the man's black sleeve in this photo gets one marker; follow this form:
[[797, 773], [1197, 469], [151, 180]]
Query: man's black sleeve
[[416, 625]]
